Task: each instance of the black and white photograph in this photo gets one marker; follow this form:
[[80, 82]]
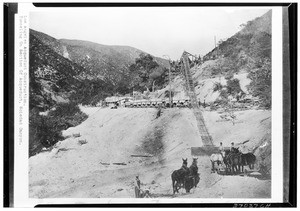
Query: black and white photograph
[[149, 104]]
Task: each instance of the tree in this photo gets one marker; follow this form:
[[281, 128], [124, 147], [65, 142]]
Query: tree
[[159, 75], [233, 86], [261, 81], [144, 71], [232, 89]]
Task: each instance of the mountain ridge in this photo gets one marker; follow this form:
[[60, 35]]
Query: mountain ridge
[[49, 40], [83, 60]]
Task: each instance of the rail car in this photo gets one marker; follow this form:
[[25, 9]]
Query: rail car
[[158, 103]]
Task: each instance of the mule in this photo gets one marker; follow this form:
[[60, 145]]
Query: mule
[[193, 169], [193, 174], [178, 176], [226, 160], [191, 181], [247, 159], [233, 158], [234, 161]]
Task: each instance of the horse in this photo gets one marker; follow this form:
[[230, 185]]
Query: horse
[[178, 176], [193, 173], [216, 158], [226, 160], [191, 181], [193, 169], [247, 159], [233, 158]]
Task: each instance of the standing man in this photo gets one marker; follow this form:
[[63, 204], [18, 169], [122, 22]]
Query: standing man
[[232, 147], [158, 111], [221, 148], [137, 187]]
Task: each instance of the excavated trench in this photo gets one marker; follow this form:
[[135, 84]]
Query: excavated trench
[[153, 143]]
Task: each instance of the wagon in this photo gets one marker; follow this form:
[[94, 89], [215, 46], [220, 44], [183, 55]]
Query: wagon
[[128, 104], [134, 104]]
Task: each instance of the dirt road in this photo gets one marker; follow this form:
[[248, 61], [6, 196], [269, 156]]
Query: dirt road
[[105, 159]]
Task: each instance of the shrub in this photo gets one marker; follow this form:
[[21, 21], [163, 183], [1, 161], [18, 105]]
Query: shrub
[[229, 76], [68, 115], [45, 131], [260, 85], [217, 86], [224, 94], [233, 86], [213, 107], [215, 71], [221, 102]]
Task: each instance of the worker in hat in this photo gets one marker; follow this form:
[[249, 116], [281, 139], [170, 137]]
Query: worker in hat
[[232, 147], [137, 188], [221, 148]]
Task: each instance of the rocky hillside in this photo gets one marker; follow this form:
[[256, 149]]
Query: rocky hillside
[[53, 78], [77, 60], [99, 61], [239, 69], [242, 51], [234, 77], [59, 67]]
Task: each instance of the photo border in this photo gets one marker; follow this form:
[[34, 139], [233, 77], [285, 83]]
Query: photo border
[[289, 109]]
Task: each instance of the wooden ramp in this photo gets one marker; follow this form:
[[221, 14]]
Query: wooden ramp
[[203, 151], [208, 146]]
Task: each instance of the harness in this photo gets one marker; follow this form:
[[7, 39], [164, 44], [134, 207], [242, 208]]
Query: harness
[[194, 169]]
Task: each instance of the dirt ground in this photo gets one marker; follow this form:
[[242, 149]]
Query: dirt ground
[[102, 162]]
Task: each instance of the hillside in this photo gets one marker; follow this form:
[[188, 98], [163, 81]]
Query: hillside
[[53, 78], [102, 65], [99, 61], [242, 51], [227, 84], [239, 68], [65, 73], [87, 166]]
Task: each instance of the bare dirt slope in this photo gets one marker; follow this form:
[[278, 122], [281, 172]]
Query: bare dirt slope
[[89, 165]]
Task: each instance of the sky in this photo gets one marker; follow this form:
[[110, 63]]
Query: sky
[[155, 30]]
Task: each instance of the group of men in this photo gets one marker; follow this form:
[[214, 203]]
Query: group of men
[[242, 149], [222, 149]]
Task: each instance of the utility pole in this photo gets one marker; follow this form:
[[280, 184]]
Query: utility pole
[[215, 42], [153, 86], [170, 94]]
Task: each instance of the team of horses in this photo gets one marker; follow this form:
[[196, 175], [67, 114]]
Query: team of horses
[[185, 177], [233, 160]]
